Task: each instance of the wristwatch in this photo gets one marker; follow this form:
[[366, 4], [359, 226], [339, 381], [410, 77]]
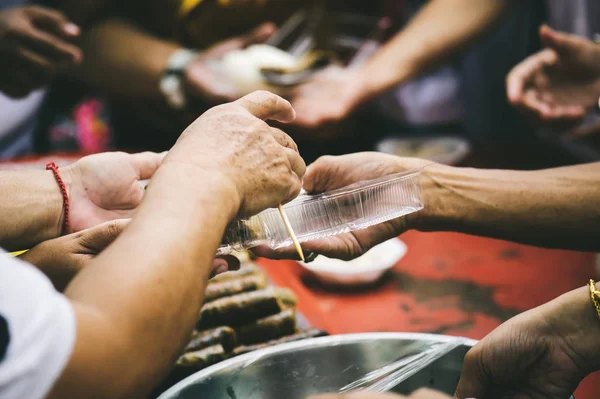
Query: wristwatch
[[171, 84]]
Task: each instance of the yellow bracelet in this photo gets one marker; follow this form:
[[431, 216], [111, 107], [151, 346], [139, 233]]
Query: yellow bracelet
[[595, 295]]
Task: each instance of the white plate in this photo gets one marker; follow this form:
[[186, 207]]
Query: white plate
[[363, 270]]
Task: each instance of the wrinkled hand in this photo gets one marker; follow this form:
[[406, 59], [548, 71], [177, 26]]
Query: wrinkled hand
[[259, 164], [541, 354], [201, 79], [34, 47], [330, 173], [420, 394], [560, 83], [105, 187], [329, 97]]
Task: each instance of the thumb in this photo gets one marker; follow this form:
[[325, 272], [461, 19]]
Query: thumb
[[322, 175], [147, 163], [562, 43], [96, 239], [472, 380]]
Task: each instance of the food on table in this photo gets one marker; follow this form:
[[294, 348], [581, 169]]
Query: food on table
[[202, 358], [246, 270], [239, 309], [220, 289], [312, 333], [224, 336], [287, 297], [268, 328], [191, 362]]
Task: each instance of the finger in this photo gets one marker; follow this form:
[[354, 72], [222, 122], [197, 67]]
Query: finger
[[470, 384], [284, 139], [96, 239], [563, 43], [533, 103], [147, 163], [53, 21], [296, 163], [54, 47], [40, 70], [268, 106], [222, 264], [263, 251], [520, 75], [322, 175]]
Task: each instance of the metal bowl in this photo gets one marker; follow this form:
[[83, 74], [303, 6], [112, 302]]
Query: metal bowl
[[319, 365]]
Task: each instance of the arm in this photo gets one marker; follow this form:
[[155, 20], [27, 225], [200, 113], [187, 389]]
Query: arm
[[555, 208], [552, 208], [123, 59], [439, 30], [100, 187], [137, 303], [547, 350], [31, 210]]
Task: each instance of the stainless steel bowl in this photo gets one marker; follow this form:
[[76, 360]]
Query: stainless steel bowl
[[300, 369]]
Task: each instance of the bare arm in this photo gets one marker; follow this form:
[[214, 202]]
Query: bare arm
[[31, 210], [439, 30], [138, 301], [555, 208], [163, 269]]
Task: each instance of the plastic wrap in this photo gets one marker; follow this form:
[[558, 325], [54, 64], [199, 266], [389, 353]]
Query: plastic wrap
[[312, 217], [414, 358]]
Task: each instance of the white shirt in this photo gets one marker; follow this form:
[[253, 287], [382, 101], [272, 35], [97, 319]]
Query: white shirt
[[37, 331]]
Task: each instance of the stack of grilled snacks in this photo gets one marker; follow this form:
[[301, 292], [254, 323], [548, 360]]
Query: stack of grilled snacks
[[240, 314]]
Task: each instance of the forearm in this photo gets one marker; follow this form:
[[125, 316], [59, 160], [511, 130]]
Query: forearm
[[555, 208], [438, 31], [123, 59], [162, 260], [32, 208]]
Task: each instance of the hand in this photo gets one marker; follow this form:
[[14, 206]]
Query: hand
[[560, 83], [105, 187], [62, 258], [34, 47], [420, 394], [200, 77], [542, 353], [233, 143], [330, 173], [329, 97]]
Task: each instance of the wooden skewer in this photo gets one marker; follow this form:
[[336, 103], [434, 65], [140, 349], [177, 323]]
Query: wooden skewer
[[290, 230]]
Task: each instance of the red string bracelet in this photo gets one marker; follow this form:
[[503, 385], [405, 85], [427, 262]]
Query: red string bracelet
[[63, 189]]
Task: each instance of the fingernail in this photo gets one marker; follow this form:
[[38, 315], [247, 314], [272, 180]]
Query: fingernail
[[71, 29], [310, 257]]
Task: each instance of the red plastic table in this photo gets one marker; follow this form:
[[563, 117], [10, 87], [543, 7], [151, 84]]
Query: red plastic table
[[449, 284]]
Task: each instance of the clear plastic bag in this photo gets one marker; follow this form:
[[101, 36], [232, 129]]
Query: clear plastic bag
[[312, 217], [414, 358]]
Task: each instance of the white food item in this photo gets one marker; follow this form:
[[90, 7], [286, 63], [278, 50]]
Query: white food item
[[243, 67], [381, 256]]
